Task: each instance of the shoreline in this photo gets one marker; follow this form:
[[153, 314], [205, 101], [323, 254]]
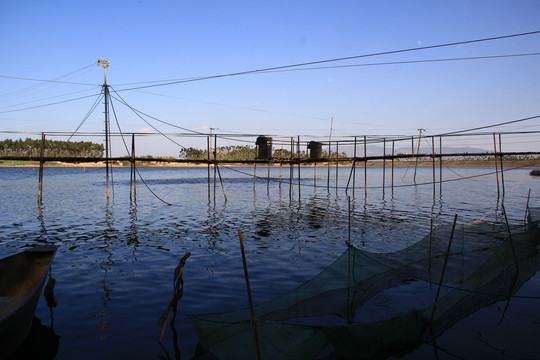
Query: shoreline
[[428, 163]]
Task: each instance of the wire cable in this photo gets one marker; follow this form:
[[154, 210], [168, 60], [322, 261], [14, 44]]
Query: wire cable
[[282, 67], [88, 114]]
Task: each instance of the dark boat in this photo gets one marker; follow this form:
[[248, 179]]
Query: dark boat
[[22, 277], [535, 172]]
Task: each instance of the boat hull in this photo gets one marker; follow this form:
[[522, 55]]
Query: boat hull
[[22, 277]]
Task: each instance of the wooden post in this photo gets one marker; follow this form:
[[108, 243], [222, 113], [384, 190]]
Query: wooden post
[[280, 165], [354, 168], [221, 181], [208, 153], [215, 165], [365, 167], [291, 168], [337, 163], [443, 271], [440, 166], [40, 181], [133, 184], [433, 158], [253, 318], [298, 154], [502, 171], [254, 175], [328, 164], [393, 147], [496, 165], [384, 166], [268, 176]]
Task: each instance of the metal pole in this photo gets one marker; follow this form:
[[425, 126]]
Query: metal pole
[[298, 154]]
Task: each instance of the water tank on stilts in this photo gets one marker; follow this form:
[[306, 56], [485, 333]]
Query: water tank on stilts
[[315, 150], [265, 147]]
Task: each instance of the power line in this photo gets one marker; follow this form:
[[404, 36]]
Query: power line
[[43, 81], [87, 115], [411, 62], [335, 60], [154, 118], [47, 98], [50, 104]]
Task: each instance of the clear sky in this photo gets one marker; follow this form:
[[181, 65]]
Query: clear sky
[[148, 41]]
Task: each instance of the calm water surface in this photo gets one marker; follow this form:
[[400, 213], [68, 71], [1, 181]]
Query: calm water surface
[[115, 264]]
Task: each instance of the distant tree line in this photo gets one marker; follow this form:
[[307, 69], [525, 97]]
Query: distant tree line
[[244, 152], [53, 148]]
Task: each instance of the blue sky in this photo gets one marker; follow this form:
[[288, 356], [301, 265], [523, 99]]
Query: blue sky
[[163, 40]]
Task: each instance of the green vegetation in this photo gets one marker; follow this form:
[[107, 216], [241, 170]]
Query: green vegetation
[[53, 148], [245, 152]]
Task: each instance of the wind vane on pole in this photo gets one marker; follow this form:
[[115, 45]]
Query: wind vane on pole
[[105, 64]]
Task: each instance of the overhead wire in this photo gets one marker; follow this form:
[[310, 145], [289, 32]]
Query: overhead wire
[[128, 152], [49, 104], [92, 108], [282, 67], [138, 113], [43, 82]]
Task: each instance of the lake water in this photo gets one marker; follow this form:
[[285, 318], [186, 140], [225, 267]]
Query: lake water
[[115, 264]]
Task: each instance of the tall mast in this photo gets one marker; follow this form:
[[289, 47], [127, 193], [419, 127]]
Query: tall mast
[[105, 64]]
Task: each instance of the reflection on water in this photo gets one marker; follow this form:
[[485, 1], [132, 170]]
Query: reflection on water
[[114, 265]]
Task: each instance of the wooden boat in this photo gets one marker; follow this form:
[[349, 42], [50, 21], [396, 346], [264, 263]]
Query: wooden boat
[[22, 277], [535, 172]]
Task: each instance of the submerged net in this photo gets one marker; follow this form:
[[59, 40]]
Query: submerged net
[[324, 315]]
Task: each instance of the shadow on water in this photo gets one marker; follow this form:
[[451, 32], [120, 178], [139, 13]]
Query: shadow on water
[[41, 343]]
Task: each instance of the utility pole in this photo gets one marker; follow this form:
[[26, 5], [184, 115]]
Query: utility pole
[[417, 152], [105, 64]]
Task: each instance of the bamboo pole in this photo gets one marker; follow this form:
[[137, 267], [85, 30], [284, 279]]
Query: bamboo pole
[[221, 181], [252, 311], [440, 166], [365, 167], [433, 158], [393, 148], [133, 169], [215, 165], [208, 156], [41, 162], [496, 166], [354, 167], [443, 271], [384, 166], [291, 168], [298, 154], [337, 163], [280, 165], [502, 171], [254, 175]]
